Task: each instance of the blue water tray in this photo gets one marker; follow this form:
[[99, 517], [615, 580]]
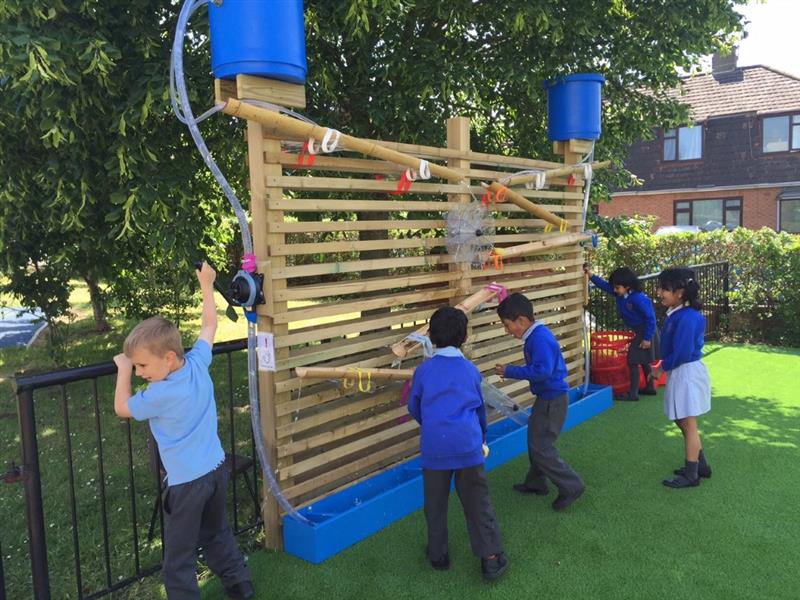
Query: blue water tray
[[355, 513]]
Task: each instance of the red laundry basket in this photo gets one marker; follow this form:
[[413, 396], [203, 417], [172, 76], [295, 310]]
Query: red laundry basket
[[610, 348], [609, 352], [609, 359]]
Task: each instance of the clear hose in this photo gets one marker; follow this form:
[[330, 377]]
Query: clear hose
[[587, 186], [183, 111]]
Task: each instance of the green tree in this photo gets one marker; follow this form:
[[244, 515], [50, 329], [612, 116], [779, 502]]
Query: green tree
[[98, 176], [397, 70]]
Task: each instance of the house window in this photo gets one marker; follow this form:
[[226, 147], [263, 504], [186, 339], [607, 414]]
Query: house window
[[789, 210], [727, 211], [781, 134], [790, 216], [683, 143]]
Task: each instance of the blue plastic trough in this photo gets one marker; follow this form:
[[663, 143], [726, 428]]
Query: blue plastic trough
[[355, 513]]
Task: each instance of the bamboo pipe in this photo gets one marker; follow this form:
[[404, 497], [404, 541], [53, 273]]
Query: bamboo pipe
[[278, 124], [340, 372], [531, 247], [402, 348], [522, 202], [558, 172]]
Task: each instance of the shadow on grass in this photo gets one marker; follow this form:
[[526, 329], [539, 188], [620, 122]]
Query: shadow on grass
[[758, 423]]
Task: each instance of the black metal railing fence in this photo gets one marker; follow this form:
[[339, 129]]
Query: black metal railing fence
[[92, 481], [714, 285]]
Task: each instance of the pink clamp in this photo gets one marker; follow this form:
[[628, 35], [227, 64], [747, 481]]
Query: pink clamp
[[249, 263], [500, 291]]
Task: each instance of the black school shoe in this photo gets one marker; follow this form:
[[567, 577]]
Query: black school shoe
[[492, 568], [440, 564], [703, 471], [648, 391], [523, 488], [241, 591], [626, 398], [563, 501], [681, 481]]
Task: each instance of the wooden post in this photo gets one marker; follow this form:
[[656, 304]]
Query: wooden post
[[458, 139], [262, 217], [573, 151]]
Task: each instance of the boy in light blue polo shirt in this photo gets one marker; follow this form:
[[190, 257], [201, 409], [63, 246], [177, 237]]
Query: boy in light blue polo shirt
[[179, 403]]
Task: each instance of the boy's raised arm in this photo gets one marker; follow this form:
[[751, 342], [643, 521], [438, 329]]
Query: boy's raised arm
[[122, 392], [208, 322]]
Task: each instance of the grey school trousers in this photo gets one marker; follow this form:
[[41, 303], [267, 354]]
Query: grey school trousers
[[195, 515], [473, 491], [544, 427]]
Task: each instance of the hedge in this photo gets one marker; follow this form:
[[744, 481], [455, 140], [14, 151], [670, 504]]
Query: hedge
[[764, 294]]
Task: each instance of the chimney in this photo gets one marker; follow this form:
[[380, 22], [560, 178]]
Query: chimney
[[724, 63]]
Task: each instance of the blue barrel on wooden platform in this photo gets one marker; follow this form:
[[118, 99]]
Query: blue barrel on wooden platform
[[573, 107], [265, 38]]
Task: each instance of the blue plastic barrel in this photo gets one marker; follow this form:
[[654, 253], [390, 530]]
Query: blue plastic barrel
[[573, 107], [258, 37]]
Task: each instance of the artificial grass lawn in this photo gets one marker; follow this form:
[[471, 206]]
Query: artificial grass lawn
[[735, 536]]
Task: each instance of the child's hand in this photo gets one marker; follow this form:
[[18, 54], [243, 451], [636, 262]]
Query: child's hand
[[206, 275], [500, 370], [123, 362], [645, 344]]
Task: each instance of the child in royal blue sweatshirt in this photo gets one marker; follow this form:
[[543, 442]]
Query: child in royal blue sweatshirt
[[545, 370], [688, 393], [636, 310], [446, 401]]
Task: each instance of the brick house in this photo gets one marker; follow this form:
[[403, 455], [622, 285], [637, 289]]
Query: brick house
[[739, 164]]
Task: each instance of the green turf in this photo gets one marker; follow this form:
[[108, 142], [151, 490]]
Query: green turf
[[734, 537]]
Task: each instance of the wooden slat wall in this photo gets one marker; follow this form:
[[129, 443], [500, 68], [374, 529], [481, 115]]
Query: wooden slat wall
[[343, 287]]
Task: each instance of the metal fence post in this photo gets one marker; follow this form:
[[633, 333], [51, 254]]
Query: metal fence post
[[726, 270], [33, 493], [2, 576]]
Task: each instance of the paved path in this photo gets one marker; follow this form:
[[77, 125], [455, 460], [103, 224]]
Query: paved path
[[19, 327]]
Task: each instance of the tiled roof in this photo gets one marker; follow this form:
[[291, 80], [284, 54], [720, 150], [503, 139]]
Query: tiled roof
[[756, 89]]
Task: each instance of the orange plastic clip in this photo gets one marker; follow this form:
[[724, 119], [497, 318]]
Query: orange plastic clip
[[301, 158], [402, 186], [497, 260]]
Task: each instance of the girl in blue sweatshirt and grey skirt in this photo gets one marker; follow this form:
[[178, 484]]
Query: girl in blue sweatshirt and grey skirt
[[636, 310], [688, 393], [446, 400]]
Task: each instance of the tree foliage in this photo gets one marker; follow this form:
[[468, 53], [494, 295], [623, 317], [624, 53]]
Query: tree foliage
[[398, 70], [100, 180], [764, 275]]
